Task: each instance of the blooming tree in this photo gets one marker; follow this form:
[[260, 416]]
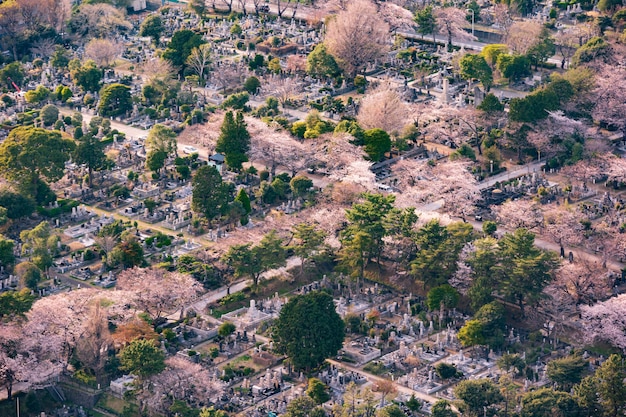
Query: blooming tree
[[357, 36], [384, 109], [159, 291], [181, 380], [606, 321], [519, 213]]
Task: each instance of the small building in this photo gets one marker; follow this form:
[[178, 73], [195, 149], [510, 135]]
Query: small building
[[122, 385], [217, 160]]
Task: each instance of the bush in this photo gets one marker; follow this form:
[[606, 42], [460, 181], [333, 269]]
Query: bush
[[236, 101]]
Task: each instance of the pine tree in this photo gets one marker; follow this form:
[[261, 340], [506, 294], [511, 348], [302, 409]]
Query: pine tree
[[243, 198], [234, 140]]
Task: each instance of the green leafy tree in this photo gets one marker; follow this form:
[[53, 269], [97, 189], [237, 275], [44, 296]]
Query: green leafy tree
[[208, 192], [141, 357], [513, 67], [438, 251], [587, 396], [115, 100], [524, 270], [377, 143], [12, 73], [128, 253], [59, 58], [234, 140], [252, 85], [321, 64], [300, 185], [49, 114], [427, 24], [543, 49], [492, 52], [179, 48], [243, 198], [508, 362], [446, 370], [478, 395], [30, 154], [15, 303], [87, 76], [63, 93], [308, 240], [16, 204], [29, 275], [474, 66], [250, 261], [162, 138], [486, 328], [7, 257], [309, 342], [226, 329], [414, 404], [483, 262], [609, 381], [301, 407], [548, 402], [362, 239], [318, 391], [567, 371], [198, 7], [90, 151], [37, 95], [594, 48], [442, 409], [152, 27], [155, 161], [392, 410], [491, 104], [443, 295]]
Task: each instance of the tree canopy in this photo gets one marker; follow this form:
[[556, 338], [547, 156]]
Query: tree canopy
[[29, 154], [309, 342]]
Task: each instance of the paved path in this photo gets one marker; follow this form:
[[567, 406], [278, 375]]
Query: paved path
[[374, 378]]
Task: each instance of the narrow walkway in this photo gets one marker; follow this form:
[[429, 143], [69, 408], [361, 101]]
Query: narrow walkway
[[374, 378]]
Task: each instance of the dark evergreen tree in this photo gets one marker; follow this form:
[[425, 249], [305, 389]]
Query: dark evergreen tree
[[309, 330], [234, 140]]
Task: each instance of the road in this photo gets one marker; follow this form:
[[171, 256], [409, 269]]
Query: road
[[131, 132]]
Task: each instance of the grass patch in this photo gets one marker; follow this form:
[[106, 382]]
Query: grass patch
[[375, 368], [265, 289], [115, 405]]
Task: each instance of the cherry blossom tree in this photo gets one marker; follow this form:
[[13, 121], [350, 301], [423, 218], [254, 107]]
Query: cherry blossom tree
[[548, 134], [27, 358], [523, 35], [517, 214], [608, 97], [284, 89], [103, 51], [384, 109], [182, 380], [159, 291], [395, 15], [616, 169], [450, 183], [564, 225], [503, 16], [63, 318], [580, 282], [450, 23], [606, 321], [357, 36]]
